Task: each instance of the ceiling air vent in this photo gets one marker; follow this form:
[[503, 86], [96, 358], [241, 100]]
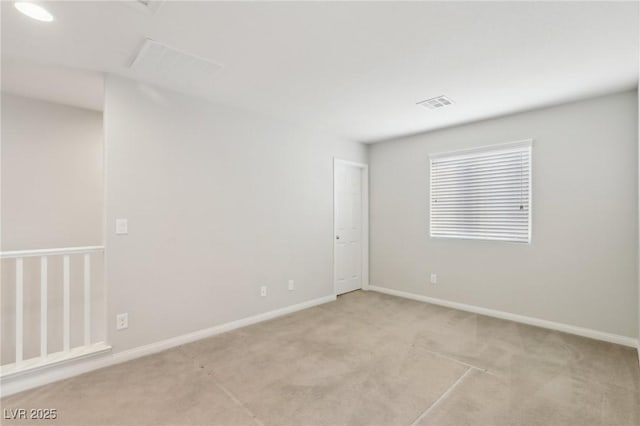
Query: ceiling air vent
[[166, 66], [436, 103]]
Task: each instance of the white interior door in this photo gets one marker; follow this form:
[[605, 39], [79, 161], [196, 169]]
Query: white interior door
[[348, 209]]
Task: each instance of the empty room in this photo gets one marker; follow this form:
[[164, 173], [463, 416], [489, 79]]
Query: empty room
[[319, 213]]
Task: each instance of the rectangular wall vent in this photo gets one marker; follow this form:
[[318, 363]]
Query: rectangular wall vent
[[437, 102]]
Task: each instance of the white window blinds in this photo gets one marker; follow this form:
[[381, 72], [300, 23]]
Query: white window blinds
[[482, 194]]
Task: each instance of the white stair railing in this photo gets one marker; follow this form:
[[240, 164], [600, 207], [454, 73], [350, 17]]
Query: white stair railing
[[88, 347]]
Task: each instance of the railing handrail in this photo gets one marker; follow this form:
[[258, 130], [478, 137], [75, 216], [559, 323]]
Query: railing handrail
[[50, 252], [43, 256]]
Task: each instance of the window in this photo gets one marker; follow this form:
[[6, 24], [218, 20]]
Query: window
[[482, 194]]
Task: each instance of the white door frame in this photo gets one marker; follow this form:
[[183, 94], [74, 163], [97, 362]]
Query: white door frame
[[364, 169]]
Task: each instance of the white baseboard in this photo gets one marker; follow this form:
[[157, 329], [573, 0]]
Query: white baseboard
[[21, 382], [34, 364], [566, 328]]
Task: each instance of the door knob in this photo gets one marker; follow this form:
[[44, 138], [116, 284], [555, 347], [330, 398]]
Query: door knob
[[337, 237]]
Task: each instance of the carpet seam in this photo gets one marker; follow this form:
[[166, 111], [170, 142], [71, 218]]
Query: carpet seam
[[226, 391], [444, 395], [238, 402], [443, 356]]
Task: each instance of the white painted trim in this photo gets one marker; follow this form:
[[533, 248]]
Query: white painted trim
[[29, 380], [638, 236], [41, 363], [106, 312], [349, 163], [365, 228], [365, 221], [50, 252], [499, 147], [551, 325]]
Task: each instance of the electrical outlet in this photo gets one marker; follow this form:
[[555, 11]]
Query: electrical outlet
[[434, 278], [263, 291], [292, 285], [122, 321]]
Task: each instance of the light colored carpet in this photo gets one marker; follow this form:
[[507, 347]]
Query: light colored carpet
[[366, 359]]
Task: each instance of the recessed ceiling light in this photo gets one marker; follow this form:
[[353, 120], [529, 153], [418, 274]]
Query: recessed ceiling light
[[437, 102], [34, 11]]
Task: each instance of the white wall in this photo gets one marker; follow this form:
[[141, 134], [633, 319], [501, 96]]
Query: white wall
[[52, 188], [52, 196], [219, 202], [581, 267]]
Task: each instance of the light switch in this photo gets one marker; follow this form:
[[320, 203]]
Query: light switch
[[122, 227]]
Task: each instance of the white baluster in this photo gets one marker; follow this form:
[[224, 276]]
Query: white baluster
[[19, 309], [87, 299], [66, 304], [43, 306]]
